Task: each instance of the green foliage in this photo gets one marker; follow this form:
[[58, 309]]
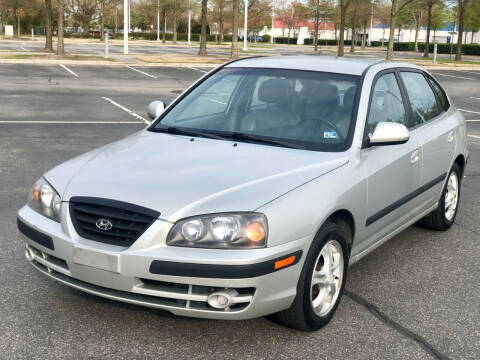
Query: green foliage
[[403, 46], [285, 40], [266, 38], [467, 49]]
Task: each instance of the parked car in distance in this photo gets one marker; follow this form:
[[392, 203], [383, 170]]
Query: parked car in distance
[[253, 192]]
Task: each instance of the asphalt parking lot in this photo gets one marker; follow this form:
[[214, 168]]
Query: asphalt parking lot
[[95, 47], [416, 297]]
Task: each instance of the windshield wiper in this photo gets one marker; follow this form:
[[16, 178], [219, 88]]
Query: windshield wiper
[[234, 136], [178, 131], [246, 137]]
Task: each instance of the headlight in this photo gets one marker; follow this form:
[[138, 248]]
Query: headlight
[[44, 199], [220, 231]]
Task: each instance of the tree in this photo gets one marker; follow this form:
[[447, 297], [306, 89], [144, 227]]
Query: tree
[[364, 12], [177, 7], [429, 6], [259, 14], [60, 44], [461, 6], [353, 23], [84, 11], [439, 17], [234, 53], [219, 7], [417, 11], [315, 10], [343, 4], [48, 25], [404, 20], [397, 6], [15, 8], [383, 15], [203, 33], [472, 18]]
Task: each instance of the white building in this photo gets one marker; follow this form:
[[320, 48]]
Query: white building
[[327, 31]]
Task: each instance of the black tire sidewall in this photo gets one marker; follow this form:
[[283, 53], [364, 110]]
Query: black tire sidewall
[[329, 231]]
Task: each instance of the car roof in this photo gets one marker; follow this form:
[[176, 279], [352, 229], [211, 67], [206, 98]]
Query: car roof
[[340, 65]]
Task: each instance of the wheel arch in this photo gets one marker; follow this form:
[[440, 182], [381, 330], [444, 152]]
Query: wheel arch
[[345, 220], [460, 161]]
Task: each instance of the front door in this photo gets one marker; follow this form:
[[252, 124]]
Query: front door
[[393, 171]]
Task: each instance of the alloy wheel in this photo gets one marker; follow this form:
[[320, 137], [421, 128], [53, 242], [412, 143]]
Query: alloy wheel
[[451, 196], [327, 278]]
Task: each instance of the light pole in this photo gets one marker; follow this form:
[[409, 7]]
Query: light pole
[[371, 27], [125, 27], [189, 22], [245, 27], [273, 20], [158, 20]]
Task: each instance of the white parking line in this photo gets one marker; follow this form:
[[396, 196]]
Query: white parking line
[[197, 69], [141, 72], [474, 136], [127, 110], [470, 111], [470, 72], [472, 120], [458, 77], [66, 122], [70, 71], [473, 97]]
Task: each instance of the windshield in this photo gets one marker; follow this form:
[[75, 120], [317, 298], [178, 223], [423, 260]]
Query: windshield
[[293, 108]]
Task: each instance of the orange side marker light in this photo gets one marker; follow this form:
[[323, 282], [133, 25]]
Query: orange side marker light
[[284, 262]]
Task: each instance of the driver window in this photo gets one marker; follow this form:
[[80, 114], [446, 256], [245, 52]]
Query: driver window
[[386, 104]]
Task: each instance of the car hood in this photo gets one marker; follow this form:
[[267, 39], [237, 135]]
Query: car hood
[[179, 176]]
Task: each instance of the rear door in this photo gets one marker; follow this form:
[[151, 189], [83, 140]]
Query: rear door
[[434, 129], [393, 171]]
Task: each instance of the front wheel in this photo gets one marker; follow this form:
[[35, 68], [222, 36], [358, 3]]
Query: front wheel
[[443, 217], [321, 282]]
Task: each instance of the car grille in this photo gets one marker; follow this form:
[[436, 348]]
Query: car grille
[[128, 222]]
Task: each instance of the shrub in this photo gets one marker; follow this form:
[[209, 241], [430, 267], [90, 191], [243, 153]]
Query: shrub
[[404, 46], [285, 40], [467, 49], [266, 38]]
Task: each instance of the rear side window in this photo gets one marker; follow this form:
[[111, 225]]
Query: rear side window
[[442, 97], [386, 104], [423, 100]]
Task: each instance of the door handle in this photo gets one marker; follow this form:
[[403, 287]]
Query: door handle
[[450, 136], [415, 156]]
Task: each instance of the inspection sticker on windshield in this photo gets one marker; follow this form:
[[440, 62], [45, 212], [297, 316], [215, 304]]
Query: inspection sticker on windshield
[[330, 135]]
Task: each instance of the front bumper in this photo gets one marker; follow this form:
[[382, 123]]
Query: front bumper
[[149, 273]]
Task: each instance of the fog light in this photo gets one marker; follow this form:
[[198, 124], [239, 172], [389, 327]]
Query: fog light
[[221, 299], [29, 254]]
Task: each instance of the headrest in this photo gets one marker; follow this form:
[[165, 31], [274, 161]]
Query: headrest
[[349, 96], [275, 91], [324, 94]]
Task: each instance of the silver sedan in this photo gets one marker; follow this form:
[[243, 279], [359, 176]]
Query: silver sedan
[[253, 192]]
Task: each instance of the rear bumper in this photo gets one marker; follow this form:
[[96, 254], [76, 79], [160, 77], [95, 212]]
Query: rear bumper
[[178, 280]]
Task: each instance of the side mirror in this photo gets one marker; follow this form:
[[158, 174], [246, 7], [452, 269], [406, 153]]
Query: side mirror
[[155, 109], [389, 133]]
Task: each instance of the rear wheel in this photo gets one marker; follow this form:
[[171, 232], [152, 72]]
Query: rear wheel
[[321, 282], [444, 216]]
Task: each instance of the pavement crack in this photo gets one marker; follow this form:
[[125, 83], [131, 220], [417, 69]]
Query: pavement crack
[[375, 311]]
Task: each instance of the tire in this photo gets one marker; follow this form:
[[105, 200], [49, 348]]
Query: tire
[[440, 218], [301, 315]]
